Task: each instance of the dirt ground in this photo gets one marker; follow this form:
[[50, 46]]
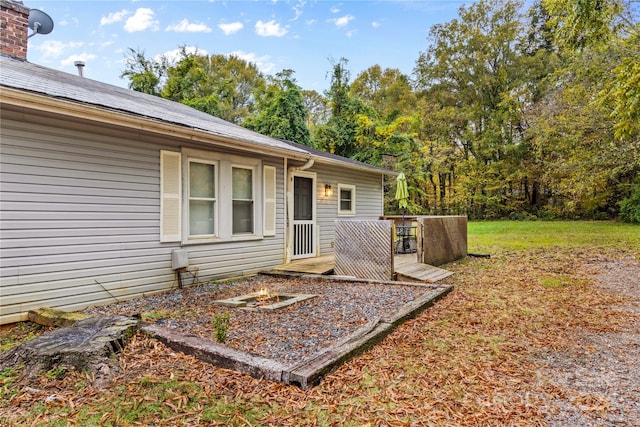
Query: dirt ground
[[600, 380]]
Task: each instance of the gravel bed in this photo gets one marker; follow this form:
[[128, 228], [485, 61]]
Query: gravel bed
[[286, 335]]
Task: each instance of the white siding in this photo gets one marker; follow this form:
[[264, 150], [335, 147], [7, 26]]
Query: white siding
[[79, 221], [369, 203]]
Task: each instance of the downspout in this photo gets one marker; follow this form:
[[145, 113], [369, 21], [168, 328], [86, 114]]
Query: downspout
[[288, 191]]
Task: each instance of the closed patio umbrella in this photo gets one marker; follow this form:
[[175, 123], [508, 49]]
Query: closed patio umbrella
[[402, 196], [402, 192]]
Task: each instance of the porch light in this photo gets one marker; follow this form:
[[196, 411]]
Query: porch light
[[328, 192]]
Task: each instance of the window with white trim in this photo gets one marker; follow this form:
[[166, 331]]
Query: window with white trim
[[202, 199], [242, 200], [346, 200], [225, 197]]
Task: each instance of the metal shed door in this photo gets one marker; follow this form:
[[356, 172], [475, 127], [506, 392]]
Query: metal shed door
[[304, 222]]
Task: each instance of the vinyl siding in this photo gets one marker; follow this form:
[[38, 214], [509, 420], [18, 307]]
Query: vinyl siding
[[79, 220], [369, 203]]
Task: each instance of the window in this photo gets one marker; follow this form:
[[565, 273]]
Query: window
[[242, 197], [346, 199], [225, 197], [202, 199]]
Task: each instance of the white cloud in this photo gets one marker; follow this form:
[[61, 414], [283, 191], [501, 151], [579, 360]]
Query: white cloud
[[270, 29], [175, 55], [231, 28], [334, 10], [263, 63], [342, 21], [185, 26], [142, 20], [298, 9], [113, 17], [84, 56], [375, 24], [54, 48]]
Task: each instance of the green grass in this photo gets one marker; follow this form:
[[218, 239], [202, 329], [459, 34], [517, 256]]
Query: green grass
[[497, 237]]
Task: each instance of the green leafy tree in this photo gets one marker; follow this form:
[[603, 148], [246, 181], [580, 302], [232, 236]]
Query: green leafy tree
[[224, 86], [144, 75], [282, 111], [337, 135], [473, 71], [603, 37], [317, 107], [387, 91]]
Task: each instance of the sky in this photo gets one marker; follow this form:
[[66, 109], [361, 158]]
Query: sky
[[301, 35]]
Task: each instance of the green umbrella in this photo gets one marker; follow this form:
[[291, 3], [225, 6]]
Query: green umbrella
[[402, 192]]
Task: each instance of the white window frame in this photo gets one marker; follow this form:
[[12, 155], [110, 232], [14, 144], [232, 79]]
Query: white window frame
[[216, 210], [253, 198], [352, 189], [224, 205]]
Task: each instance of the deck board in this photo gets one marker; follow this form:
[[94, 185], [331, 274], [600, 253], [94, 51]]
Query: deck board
[[408, 266], [319, 265], [405, 265]]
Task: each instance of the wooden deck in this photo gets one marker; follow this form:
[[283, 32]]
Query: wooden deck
[[405, 266], [319, 265]]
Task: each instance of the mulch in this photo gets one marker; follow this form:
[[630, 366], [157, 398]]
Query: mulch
[[286, 335]]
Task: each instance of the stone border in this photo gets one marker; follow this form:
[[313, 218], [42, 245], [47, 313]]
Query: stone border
[[240, 301], [309, 372]]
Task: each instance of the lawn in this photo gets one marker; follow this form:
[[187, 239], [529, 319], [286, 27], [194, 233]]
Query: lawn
[[475, 358]]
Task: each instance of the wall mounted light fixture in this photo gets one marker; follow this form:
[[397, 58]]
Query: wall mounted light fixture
[[328, 192]]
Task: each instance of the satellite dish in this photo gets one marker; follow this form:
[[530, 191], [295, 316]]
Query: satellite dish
[[40, 22]]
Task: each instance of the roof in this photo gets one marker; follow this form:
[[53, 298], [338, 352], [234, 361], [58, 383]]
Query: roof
[[325, 157], [27, 77]]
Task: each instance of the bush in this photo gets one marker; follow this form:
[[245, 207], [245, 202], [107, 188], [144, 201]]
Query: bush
[[630, 207]]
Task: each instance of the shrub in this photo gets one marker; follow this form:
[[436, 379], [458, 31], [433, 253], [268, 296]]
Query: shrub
[[221, 325], [630, 207]]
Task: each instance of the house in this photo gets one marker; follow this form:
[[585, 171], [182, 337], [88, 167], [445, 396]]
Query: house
[[103, 187]]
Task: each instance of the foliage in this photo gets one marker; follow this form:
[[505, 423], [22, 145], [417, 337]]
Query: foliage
[[509, 113], [145, 75], [221, 325], [630, 207], [282, 112], [337, 135]]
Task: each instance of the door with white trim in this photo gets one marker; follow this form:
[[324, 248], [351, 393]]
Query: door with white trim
[[304, 216]]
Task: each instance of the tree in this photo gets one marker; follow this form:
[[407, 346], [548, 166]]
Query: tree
[[282, 112], [608, 30], [338, 134], [317, 108], [220, 85], [387, 91], [145, 75], [474, 73]]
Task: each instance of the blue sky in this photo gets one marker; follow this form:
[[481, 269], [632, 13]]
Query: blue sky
[[301, 35]]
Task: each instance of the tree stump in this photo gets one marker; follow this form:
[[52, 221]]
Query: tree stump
[[88, 345]]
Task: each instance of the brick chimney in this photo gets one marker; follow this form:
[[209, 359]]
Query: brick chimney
[[14, 24]]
